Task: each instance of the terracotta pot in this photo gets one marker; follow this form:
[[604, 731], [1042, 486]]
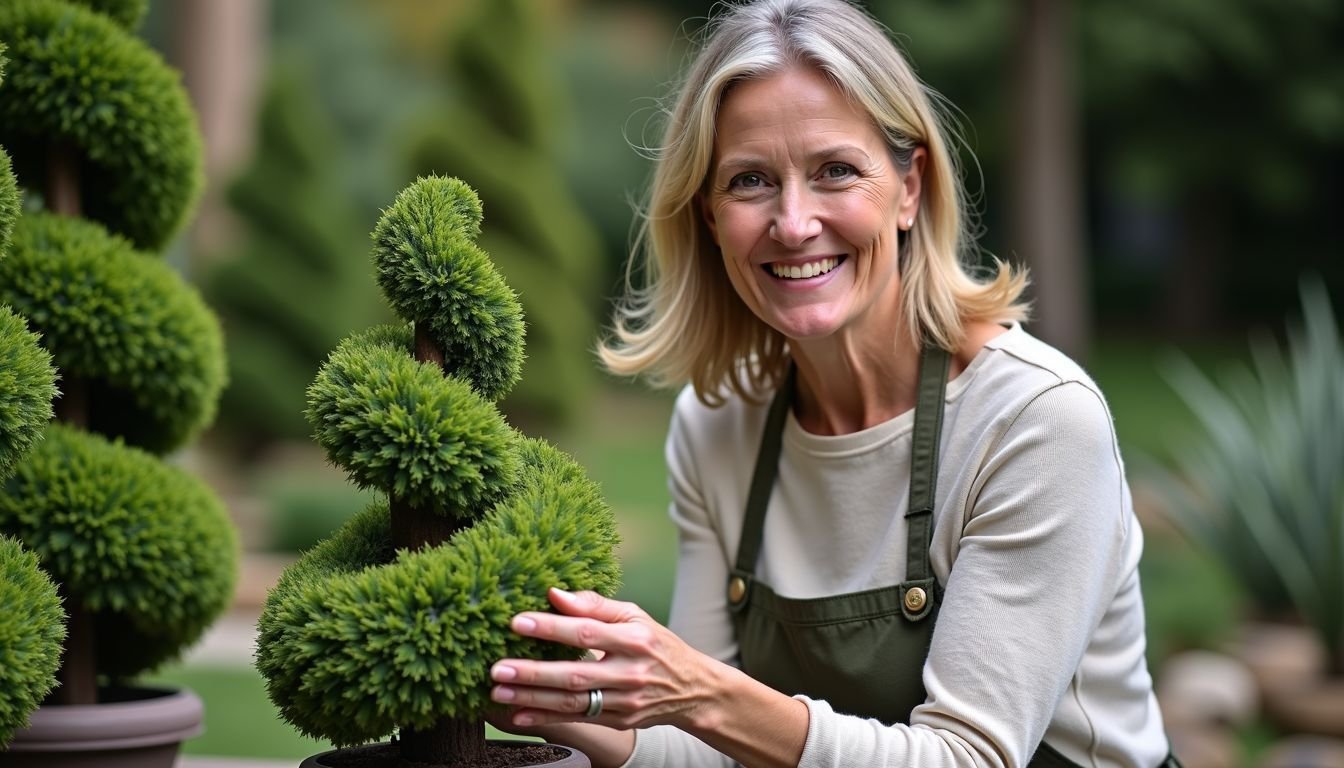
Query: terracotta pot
[[132, 728], [367, 756]]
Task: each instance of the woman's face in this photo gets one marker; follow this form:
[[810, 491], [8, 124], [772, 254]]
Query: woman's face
[[804, 201]]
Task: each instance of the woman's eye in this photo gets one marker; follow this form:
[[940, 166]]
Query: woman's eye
[[747, 181], [836, 171]]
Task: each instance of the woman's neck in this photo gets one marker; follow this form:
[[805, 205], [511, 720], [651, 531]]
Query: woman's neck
[[845, 386]]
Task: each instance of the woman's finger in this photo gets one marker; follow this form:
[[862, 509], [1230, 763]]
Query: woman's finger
[[564, 675], [584, 632], [594, 606]]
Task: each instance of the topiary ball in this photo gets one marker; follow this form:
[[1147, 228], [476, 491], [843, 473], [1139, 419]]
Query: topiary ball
[[79, 80], [32, 627], [402, 427], [433, 274], [27, 385], [149, 350], [354, 644], [143, 545]]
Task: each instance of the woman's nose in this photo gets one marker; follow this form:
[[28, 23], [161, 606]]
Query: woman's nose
[[795, 221]]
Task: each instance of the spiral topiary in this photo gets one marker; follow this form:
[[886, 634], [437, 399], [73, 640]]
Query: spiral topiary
[[31, 630], [79, 79], [361, 637]]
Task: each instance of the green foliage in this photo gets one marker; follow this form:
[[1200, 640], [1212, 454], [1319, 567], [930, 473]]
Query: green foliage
[[500, 135], [78, 80], [9, 197], [1268, 495], [399, 425], [127, 13], [149, 348], [146, 547], [352, 651], [300, 229], [433, 273], [31, 630], [27, 385]]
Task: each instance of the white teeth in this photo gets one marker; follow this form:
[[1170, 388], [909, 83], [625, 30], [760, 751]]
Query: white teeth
[[801, 271]]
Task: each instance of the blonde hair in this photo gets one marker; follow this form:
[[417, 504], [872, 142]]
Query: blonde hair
[[686, 323]]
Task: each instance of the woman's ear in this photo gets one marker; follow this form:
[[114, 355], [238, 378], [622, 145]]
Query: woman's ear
[[707, 215], [912, 184]]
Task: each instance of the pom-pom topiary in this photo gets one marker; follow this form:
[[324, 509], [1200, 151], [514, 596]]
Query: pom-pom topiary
[[31, 630], [125, 322], [101, 135], [395, 620], [77, 79], [432, 272], [146, 546]]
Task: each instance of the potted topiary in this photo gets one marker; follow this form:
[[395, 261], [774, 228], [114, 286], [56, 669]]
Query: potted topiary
[[31, 621], [392, 623], [106, 145]]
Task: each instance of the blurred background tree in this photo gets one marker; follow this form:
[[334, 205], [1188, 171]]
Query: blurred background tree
[[499, 129]]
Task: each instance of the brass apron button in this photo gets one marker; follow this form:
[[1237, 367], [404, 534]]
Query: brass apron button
[[737, 589], [914, 599]]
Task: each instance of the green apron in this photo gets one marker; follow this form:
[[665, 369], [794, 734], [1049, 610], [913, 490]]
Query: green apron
[[862, 652]]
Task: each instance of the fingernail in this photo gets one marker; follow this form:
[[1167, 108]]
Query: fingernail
[[524, 624], [563, 593], [524, 720], [503, 673], [504, 693]]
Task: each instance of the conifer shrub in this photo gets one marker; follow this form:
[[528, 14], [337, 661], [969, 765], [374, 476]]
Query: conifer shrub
[[372, 630], [108, 154]]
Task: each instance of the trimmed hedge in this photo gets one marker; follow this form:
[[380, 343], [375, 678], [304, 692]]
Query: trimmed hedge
[[147, 547], [126, 323], [78, 78], [31, 632]]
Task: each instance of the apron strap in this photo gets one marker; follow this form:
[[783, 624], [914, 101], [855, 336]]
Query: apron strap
[[758, 498], [919, 592]]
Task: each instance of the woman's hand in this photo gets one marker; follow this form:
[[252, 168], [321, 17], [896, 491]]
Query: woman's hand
[[647, 675]]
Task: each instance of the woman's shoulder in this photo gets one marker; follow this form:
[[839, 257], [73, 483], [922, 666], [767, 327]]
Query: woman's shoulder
[[728, 419], [1029, 364]]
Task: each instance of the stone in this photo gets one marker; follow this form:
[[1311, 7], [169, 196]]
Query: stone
[[1207, 688]]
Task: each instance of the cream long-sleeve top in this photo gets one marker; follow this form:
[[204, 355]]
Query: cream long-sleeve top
[[1041, 631]]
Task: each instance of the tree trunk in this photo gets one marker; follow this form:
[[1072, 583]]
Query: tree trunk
[[448, 740], [78, 674], [1046, 205]]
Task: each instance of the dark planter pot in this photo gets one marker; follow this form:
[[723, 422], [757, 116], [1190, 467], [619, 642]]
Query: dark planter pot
[[132, 728], [385, 754]]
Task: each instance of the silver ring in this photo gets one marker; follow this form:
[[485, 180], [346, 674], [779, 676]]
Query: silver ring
[[594, 703]]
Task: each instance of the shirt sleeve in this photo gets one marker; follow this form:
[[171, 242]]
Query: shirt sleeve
[[1039, 560], [699, 612]]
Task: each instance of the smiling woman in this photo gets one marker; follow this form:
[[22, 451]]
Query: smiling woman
[[906, 537]]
